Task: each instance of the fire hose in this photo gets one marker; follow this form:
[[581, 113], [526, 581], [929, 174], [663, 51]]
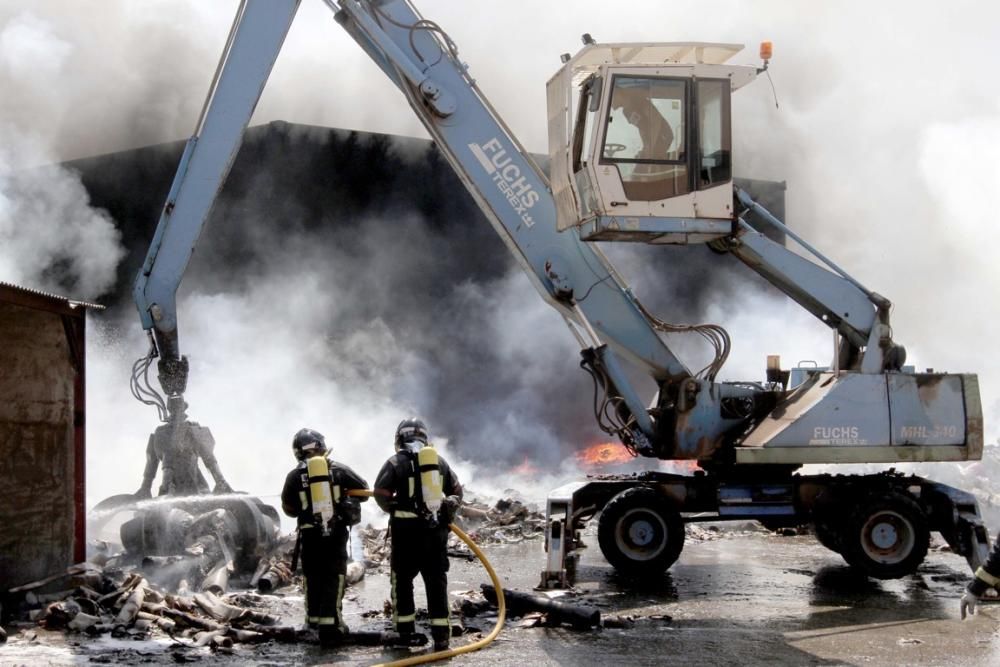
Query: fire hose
[[468, 648]]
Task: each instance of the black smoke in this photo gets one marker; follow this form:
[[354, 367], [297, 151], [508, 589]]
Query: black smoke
[[388, 227]]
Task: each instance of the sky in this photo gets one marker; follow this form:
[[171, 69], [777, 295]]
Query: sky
[[885, 131]]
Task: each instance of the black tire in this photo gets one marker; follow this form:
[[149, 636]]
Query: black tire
[[886, 536], [640, 532], [827, 534]]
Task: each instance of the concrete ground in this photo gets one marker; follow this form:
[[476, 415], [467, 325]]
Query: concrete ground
[[747, 598]]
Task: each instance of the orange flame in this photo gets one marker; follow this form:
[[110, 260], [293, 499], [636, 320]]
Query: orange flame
[[680, 467], [603, 454], [525, 468]]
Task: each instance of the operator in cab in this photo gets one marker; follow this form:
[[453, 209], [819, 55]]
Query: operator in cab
[[987, 577], [421, 494], [654, 130], [315, 493]]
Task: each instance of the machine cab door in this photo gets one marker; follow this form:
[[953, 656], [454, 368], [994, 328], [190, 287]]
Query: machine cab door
[[649, 153]]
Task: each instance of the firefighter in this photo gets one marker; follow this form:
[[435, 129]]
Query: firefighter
[[421, 493], [987, 577], [315, 493]]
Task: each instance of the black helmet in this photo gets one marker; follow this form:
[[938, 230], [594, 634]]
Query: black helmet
[[308, 442], [410, 429]]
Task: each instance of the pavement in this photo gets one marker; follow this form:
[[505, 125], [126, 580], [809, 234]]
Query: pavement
[[746, 597]]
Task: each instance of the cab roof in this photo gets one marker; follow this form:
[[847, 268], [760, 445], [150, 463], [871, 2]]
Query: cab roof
[[591, 56]]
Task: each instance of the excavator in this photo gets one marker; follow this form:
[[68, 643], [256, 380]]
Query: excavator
[[641, 151]]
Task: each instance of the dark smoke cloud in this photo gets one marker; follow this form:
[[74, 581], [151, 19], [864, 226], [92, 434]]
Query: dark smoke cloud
[[355, 267], [372, 246]]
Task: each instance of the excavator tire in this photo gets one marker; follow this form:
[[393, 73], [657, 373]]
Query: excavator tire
[[886, 536], [640, 532], [827, 534]]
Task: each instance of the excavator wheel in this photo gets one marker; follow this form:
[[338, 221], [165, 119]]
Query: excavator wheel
[[827, 534], [640, 532], [886, 536]]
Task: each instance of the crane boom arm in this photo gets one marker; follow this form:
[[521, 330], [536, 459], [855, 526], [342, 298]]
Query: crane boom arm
[[255, 39], [503, 178], [571, 275]]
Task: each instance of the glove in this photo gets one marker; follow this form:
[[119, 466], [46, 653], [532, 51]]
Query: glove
[[449, 506], [143, 493], [968, 604], [349, 511]]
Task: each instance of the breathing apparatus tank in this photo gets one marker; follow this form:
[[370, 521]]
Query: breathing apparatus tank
[[430, 479], [321, 492]]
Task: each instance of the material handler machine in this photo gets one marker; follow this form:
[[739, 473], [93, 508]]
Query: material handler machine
[[640, 143]]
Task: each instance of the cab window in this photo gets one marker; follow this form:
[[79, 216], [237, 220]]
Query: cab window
[[586, 106], [715, 149], [645, 136]]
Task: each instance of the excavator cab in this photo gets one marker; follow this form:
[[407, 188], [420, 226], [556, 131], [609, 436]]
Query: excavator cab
[[640, 141]]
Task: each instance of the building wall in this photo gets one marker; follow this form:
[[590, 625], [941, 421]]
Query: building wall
[[37, 450]]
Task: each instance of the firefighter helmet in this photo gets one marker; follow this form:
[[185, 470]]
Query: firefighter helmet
[[308, 442], [410, 429]]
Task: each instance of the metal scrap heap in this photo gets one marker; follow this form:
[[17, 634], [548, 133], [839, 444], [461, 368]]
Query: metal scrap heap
[[127, 605], [507, 521]]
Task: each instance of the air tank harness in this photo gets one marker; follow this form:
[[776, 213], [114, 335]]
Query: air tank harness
[[468, 648]]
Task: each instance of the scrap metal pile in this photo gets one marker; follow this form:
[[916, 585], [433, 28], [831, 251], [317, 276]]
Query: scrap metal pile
[[100, 601], [507, 521], [194, 543], [187, 539]]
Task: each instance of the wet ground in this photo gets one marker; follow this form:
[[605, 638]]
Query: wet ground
[[747, 598]]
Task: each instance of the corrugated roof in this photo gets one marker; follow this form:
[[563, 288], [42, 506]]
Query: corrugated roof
[[72, 303]]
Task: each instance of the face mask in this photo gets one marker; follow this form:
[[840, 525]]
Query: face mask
[[413, 446]]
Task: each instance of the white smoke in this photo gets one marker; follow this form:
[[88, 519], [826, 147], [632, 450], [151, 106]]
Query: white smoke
[[50, 238], [254, 386], [269, 360]]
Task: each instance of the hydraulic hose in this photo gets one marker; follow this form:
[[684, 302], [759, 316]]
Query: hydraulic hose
[[468, 648]]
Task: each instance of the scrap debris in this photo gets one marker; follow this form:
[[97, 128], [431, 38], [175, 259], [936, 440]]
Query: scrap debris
[[580, 617], [100, 601], [172, 582], [508, 521], [543, 610]]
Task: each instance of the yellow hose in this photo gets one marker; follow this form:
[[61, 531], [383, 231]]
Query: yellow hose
[[468, 648]]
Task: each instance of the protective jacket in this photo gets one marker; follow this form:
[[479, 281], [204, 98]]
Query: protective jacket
[[419, 536], [399, 485], [315, 493], [297, 500], [988, 574]]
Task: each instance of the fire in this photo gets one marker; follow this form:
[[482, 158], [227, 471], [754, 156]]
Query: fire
[[526, 468], [605, 453], [680, 467]]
